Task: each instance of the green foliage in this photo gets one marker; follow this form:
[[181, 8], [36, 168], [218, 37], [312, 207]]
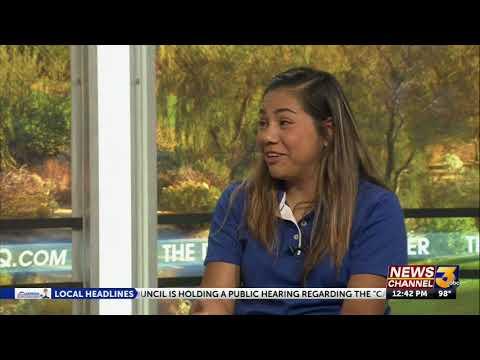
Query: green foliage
[[188, 196], [216, 173], [34, 102], [42, 126], [406, 99], [445, 225], [447, 233], [5, 278], [454, 163]]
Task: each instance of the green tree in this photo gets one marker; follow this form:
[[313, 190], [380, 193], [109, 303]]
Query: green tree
[[34, 102], [406, 98], [210, 95]]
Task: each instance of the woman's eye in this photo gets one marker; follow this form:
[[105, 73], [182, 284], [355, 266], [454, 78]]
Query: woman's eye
[[284, 123], [262, 123]]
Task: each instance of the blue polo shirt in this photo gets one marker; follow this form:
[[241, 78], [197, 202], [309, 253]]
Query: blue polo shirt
[[378, 239]]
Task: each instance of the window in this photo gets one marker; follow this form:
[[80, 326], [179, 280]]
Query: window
[[35, 172], [35, 123]]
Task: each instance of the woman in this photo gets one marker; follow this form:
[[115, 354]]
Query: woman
[[311, 214]]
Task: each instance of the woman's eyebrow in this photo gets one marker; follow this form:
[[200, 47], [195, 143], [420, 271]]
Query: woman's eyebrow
[[263, 112], [284, 109]]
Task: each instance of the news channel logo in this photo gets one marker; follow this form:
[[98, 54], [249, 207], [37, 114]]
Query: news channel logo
[[447, 277], [422, 281], [33, 294]]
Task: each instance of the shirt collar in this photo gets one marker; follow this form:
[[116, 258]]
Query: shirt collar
[[283, 208]]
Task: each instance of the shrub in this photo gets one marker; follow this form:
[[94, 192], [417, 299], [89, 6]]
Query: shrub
[[188, 196], [58, 172], [25, 194], [215, 172]]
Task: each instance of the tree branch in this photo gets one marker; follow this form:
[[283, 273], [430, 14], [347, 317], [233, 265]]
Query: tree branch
[[241, 117], [403, 168], [214, 134], [398, 128]]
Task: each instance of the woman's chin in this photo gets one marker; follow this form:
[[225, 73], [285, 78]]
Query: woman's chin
[[278, 175]]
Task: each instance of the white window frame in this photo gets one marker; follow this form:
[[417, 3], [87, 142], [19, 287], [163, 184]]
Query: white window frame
[[113, 92]]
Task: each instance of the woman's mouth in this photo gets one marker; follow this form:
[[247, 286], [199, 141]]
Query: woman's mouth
[[272, 158]]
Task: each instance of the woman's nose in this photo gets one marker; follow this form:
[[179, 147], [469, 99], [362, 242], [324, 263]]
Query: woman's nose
[[270, 134]]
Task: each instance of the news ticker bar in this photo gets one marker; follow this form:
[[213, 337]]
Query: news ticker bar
[[192, 293], [222, 293]]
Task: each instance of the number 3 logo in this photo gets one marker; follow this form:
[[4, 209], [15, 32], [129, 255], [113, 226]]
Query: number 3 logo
[[445, 276]]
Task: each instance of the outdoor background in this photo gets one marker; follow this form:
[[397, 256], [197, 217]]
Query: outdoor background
[[417, 109]]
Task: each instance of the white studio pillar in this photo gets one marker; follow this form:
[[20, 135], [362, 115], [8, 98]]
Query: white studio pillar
[[113, 132], [111, 141]]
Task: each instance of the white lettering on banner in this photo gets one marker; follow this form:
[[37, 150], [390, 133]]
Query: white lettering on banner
[[166, 250], [418, 246], [21, 260], [473, 242], [28, 258], [179, 252], [58, 259], [186, 252], [40, 258], [5, 258], [190, 252]]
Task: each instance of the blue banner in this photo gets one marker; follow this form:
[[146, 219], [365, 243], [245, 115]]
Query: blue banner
[[93, 293]]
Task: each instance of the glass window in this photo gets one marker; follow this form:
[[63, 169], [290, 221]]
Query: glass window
[[180, 251], [35, 175], [454, 240], [35, 121], [35, 257]]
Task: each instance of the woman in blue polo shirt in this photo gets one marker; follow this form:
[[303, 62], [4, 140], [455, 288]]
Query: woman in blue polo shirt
[[311, 214]]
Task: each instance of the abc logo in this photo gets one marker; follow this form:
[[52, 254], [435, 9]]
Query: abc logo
[[446, 276]]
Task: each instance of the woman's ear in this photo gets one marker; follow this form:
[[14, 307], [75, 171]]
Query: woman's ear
[[328, 125]]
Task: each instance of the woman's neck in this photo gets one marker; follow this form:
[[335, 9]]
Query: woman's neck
[[300, 191]]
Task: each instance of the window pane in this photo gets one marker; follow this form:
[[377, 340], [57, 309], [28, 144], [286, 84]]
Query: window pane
[[181, 252], [443, 241], [419, 115], [35, 121], [35, 257]]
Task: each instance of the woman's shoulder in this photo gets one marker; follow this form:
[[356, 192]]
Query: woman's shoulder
[[372, 195], [234, 191], [236, 186]]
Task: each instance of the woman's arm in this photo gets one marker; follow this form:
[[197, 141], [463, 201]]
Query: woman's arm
[[365, 307], [217, 275]]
